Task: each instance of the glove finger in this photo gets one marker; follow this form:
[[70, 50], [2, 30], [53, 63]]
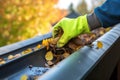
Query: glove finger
[[54, 33], [63, 40], [55, 30]]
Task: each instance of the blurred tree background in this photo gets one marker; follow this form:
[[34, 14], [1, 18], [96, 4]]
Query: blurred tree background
[[23, 19]]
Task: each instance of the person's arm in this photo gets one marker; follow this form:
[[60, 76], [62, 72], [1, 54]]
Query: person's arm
[[106, 15]]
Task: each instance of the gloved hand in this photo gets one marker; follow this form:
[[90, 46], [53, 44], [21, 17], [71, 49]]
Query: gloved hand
[[71, 28]]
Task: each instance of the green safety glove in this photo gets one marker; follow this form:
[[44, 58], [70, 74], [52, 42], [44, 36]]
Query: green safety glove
[[71, 28]]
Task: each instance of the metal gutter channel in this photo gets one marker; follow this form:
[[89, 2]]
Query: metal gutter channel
[[81, 65], [15, 65], [78, 65]]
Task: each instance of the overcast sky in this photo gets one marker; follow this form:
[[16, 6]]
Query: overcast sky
[[64, 4]]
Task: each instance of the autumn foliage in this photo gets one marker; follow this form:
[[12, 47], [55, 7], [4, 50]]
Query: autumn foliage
[[23, 19]]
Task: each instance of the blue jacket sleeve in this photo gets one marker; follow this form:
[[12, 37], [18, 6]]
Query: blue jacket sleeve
[[109, 13]]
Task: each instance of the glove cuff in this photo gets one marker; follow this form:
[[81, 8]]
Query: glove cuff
[[93, 21]]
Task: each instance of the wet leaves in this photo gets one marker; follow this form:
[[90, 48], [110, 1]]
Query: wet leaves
[[65, 55], [49, 55], [24, 77], [45, 43], [38, 46], [50, 63], [74, 44], [99, 44], [10, 57], [2, 62]]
